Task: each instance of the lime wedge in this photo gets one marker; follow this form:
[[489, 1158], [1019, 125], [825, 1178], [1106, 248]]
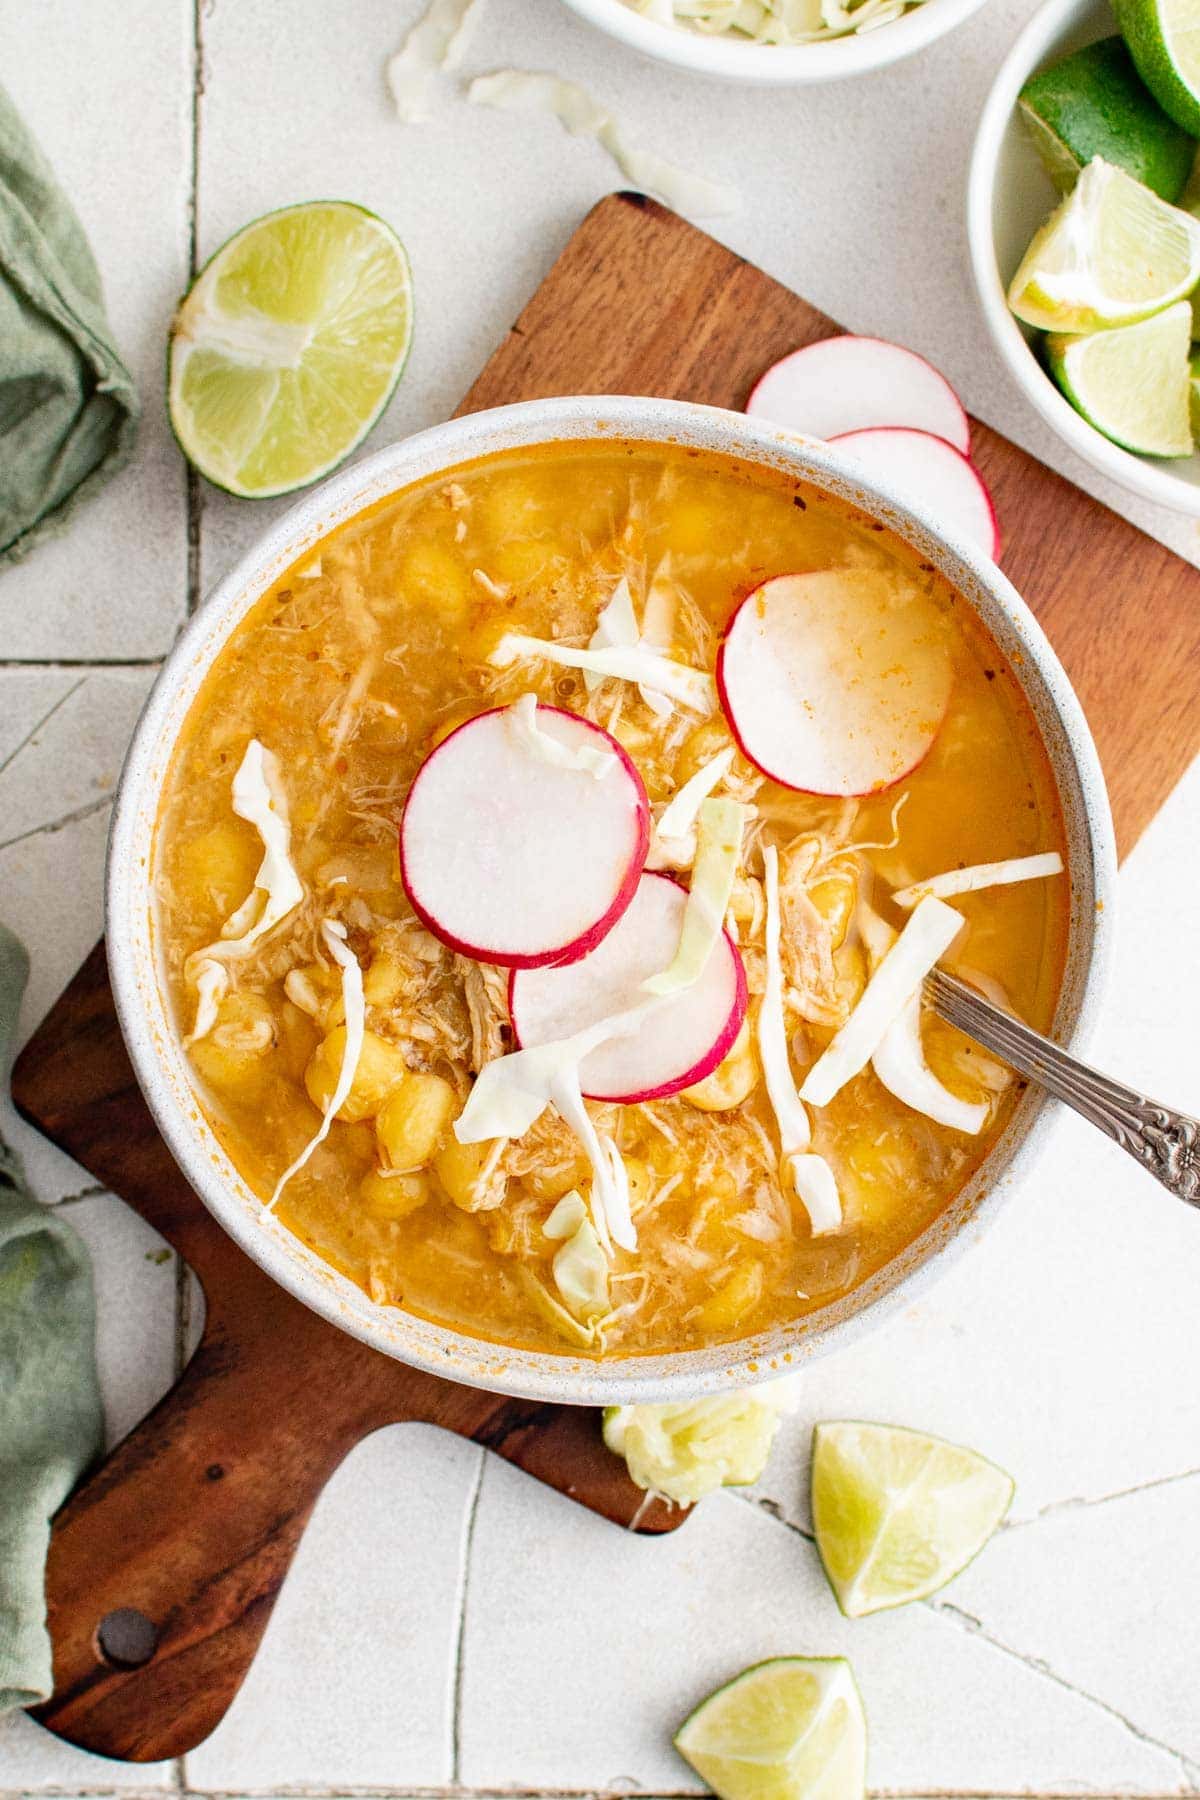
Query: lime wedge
[[898, 1514], [1194, 394], [789, 1729], [1134, 383], [288, 346], [686, 1449], [1111, 253], [1164, 36], [1093, 103]]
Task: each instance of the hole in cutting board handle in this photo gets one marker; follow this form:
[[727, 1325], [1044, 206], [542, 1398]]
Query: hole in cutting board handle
[[126, 1638]]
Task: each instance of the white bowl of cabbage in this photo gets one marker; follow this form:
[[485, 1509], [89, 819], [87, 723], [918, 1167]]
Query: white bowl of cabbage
[[784, 41]]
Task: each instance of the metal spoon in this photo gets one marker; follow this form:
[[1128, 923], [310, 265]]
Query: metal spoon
[[1165, 1142]]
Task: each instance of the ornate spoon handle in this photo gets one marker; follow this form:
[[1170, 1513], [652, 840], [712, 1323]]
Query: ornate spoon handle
[[1166, 1143]]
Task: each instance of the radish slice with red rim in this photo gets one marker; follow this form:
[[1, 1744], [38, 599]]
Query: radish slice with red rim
[[932, 476], [681, 1038], [853, 383], [836, 682], [522, 851]]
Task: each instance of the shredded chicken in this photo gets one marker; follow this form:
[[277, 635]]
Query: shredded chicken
[[807, 938], [486, 993]]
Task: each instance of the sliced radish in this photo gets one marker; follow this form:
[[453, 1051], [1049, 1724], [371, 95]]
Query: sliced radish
[[835, 682], [680, 1039], [932, 475], [512, 857], [853, 383]]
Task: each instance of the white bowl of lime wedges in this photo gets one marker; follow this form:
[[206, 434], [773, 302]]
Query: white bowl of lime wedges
[[1104, 291]]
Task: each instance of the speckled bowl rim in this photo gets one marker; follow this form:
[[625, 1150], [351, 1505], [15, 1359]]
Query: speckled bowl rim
[[787, 65], [153, 1041]]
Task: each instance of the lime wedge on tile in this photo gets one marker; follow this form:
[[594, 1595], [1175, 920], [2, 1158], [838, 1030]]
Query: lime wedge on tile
[[1134, 383], [1164, 36], [1111, 253], [288, 346], [898, 1514], [789, 1729], [1094, 103]]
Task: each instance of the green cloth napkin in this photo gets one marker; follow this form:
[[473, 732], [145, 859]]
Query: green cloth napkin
[[50, 1419], [68, 407]]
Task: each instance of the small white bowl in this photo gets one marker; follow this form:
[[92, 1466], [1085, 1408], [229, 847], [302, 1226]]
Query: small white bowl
[[735, 59], [1009, 195]]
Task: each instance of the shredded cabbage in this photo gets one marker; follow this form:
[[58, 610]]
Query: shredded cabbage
[[774, 21], [260, 799], [686, 1450], [333, 933], [586, 758], [520, 90], [512, 1092], [617, 629], [567, 1216], [718, 853], [437, 41], [811, 1176], [899, 1061], [692, 688], [581, 1265], [981, 875], [673, 845], [926, 937]]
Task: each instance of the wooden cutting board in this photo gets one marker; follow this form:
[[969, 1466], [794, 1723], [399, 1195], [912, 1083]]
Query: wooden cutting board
[[165, 1564]]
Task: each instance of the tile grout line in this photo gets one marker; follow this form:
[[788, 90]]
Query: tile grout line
[[41, 724], [76, 817], [945, 1609], [460, 1636], [49, 664]]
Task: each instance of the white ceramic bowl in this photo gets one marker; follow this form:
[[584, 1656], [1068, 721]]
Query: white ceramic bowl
[[162, 1065], [734, 59], [1009, 195]]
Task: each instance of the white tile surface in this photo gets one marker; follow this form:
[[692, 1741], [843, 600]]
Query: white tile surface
[[135, 1276], [34, 1762], [583, 1652], [110, 105], [354, 1681], [1065, 1345], [1102, 1594]]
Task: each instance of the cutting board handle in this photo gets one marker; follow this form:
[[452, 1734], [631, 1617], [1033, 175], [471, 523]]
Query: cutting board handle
[[165, 1565]]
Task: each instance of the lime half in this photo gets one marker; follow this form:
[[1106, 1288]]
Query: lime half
[[1134, 383], [1110, 254], [1093, 103], [1164, 36], [789, 1729], [898, 1514], [288, 346]]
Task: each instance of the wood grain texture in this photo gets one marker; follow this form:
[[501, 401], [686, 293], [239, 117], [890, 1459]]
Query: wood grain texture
[[195, 1517]]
